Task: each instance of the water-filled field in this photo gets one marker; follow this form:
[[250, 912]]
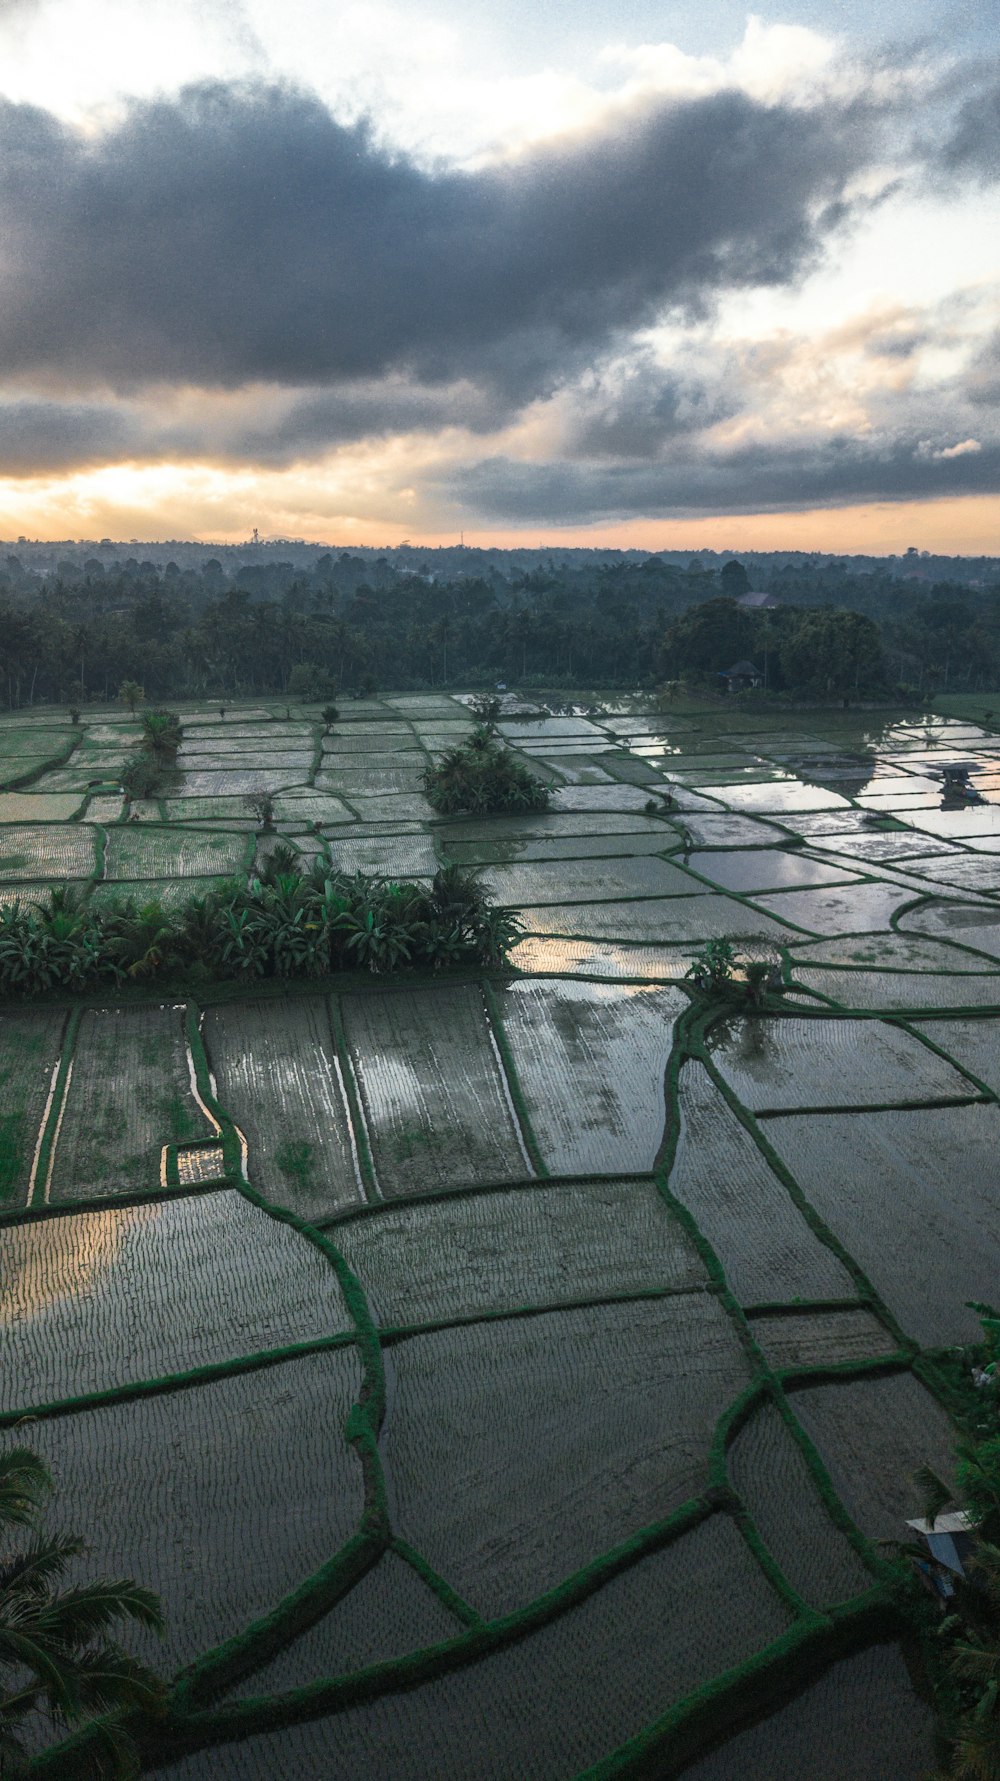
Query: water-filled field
[[489, 1372]]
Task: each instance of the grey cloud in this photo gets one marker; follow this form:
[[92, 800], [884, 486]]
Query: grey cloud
[[982, 384], [973, 145], [637, 412], [240, 233], [841, 472], [40, 437]]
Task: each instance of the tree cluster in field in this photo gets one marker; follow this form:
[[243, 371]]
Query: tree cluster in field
[[155, 754], [480, 777], [348, 623], [285, 923]]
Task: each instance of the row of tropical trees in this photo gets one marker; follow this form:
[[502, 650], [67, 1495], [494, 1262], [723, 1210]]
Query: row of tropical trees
[[285, 923]]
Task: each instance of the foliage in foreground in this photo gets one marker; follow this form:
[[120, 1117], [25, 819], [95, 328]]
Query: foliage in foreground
[[482, 778], [56, 1653], [283, 924], [970, 1630]]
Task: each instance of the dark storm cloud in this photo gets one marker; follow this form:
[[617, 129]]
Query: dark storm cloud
[[835, 474], [242, 234], [325, 418], [40, 437]]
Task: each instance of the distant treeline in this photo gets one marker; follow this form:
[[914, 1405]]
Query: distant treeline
[[352, 623]]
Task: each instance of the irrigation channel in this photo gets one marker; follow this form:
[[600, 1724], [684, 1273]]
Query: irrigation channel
[[512, 1374]]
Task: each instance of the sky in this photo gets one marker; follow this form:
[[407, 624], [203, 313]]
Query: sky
[[658, 276]]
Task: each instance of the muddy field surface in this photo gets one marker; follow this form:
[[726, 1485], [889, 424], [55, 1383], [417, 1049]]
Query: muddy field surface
[[548, 1322]]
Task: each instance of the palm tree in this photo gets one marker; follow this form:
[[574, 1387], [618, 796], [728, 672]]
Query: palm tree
[[131, 694], [55, 1653]]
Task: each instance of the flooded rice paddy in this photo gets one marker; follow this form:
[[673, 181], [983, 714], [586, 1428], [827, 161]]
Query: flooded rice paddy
[[544, 1343]]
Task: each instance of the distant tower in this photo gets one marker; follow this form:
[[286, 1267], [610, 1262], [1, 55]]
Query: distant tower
[[256, 536]]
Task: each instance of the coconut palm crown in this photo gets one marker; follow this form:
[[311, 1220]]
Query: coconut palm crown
[[57, 1659]]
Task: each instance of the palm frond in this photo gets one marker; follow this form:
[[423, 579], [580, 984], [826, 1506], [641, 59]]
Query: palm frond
[[83, 1613], [25, 1482]]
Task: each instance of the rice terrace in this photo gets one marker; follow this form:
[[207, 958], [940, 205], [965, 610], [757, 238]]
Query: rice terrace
[[513, 1361]]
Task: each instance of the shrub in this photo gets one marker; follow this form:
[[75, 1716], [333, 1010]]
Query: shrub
[[142, 776], [483, 778], [261, 806]]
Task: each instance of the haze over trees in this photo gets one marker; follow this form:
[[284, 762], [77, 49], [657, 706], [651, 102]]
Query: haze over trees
[[315, 626]]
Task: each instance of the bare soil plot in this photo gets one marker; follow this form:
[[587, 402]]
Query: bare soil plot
[[543, 957], [310, 807], [505, 1495], [659, 840], [279, 1079], [50, 850], [169, 893], [872, 1434], [591, 1060], [915, 1198], [862, 1719], [223, 812], [669, 920], [888, 990], [967, 924], [730, 831], [391, 1612], [981, 873], [262, 744], [105, 807], [545, 728], [766, 869], [900, 844], [238, 781], [518, 833], [137, 851], [387, 856], [572, 880], [436, 1102], [765, 1246], [222, 1497], [97, 1299], [267, 734], [601, 797], [795, 1062], [780, 795], [29, 807], [30, 1041], [129, 1093], [855, 909], [889, 952], [957, 825], [390, 806], [821, 1338], [974, 1044], [547, 1707], [768, 1470], [531, 1246]]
